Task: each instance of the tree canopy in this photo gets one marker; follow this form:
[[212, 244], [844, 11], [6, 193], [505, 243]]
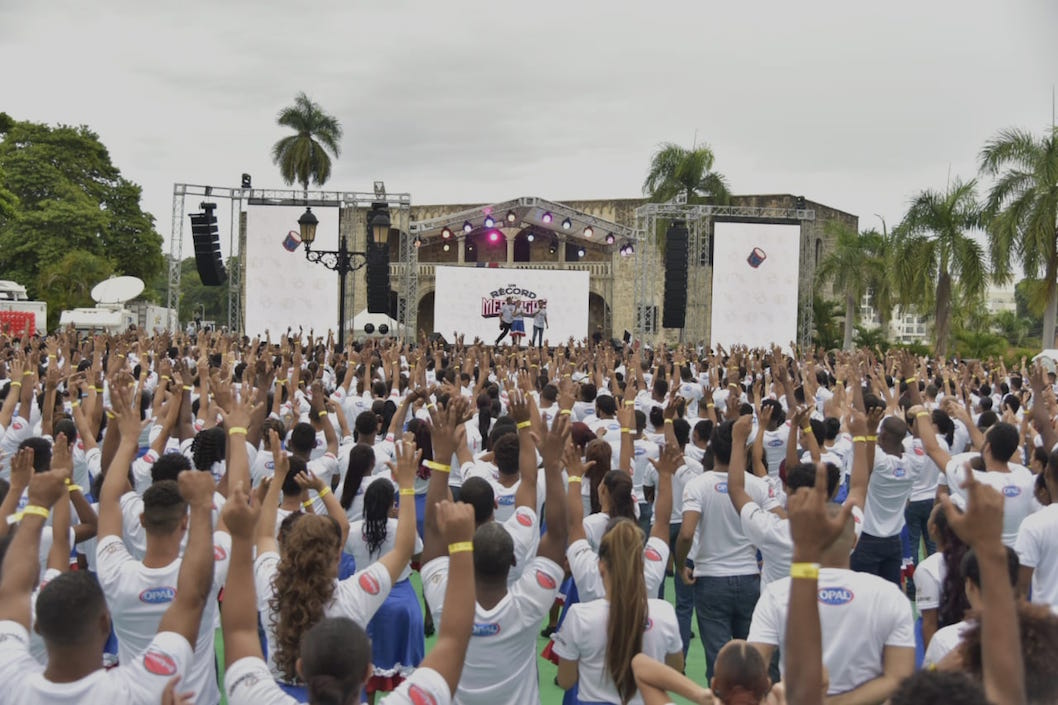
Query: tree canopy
[[64, 204], [303, 156]]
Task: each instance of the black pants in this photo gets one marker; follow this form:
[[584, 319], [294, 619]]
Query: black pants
[[878, 555], [505, 328], [538, 332]]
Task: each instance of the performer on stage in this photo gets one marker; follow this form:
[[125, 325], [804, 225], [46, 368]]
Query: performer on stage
[[518, 329], [539, 324], [507, 314]]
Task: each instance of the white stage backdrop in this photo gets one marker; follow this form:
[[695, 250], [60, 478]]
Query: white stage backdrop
[[755, 269], [468, 301], [284, 289]]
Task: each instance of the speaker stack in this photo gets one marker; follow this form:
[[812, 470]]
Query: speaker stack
[[674, 306], [206, 237]]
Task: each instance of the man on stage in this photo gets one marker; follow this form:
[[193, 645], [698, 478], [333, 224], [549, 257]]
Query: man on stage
[[507, 313]]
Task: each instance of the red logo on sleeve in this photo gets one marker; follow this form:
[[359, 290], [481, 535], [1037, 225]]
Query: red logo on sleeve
[[369, 584], [219, 553], [159, 663], [418, 696], [652, 554], [545, 581], [524, 519]]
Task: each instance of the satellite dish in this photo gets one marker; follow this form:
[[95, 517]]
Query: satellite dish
[[117, 290]]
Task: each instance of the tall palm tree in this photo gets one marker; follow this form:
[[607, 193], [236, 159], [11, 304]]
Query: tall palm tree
[[932, 247], [825, 314], [855, 261], [675, 170], [1023, 210], [303, 157]]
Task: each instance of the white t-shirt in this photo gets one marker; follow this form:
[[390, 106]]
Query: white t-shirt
[[929, 581], [138, 597], [356, 545], [775, 448], [594, 528], [926, 471], [524, 528], [1037, 547], [357, 597], [248, 682], [138, 680], [722, 548], [1016, 486], [135, 535], [582, 638], [500, 664], [887, 492], [944, 641], [860, 614], [584, 565], [684, 475], [506, 496], [644, 451], [692, 392]]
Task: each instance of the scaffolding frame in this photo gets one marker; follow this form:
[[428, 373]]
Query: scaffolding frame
[[400, 218], [699, 220]]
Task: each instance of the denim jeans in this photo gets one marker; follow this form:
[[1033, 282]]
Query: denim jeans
[[538, 332], [684, 593], [917, 516], [878, 555], [725, 609]]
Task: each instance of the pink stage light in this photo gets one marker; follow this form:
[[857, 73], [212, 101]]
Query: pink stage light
[[494, 236]]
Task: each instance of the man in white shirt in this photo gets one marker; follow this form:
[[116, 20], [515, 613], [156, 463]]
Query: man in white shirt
[[539, 324], [508, 311], [1037, 546], [725, 575]]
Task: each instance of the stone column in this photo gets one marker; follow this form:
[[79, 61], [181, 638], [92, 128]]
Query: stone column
[[460, 251]]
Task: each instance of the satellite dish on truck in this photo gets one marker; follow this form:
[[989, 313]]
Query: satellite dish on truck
[[117, 290]]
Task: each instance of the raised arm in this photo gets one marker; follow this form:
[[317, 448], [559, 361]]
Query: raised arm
[[408, 459], [527, 469], [736, 471], [666, 466], [266, 525], [860, 475], [1041, 419], [553, 542], [575, 471], [239, 615], [125, 425], [924, 428], [445, 437]]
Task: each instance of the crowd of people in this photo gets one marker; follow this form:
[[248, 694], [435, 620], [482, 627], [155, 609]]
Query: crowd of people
[[834, 527]]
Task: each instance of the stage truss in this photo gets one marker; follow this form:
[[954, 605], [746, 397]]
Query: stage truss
[[350, 204], [653, 218]]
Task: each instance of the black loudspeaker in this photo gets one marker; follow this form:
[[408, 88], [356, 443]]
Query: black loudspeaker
[[378, 278], [208, 259], [674, 307]]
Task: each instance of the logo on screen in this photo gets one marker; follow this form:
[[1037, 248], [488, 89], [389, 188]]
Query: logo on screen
[[291, 241], [528, 301], [756, 257]]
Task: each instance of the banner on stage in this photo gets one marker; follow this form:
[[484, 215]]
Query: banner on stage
[[469, 301]]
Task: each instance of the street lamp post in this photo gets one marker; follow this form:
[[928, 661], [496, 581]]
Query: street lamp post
[[343, 260]]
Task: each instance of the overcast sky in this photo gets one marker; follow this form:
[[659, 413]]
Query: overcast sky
[[856, 105]]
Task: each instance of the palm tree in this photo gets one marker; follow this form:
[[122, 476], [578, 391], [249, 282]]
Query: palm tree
[[303, 157], [871, 338], [852, 264], [1012, 327], [1023, 210], [675, 171], [932, 247], [825, 315]]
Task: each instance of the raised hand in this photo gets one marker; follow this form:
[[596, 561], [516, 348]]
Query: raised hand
[[408, 459], [741, 429], [46, 488], [197, 487], [982, 522], [456, 521], [670, 461], [575, 465], [61, 458], [308, 481], [240, 517], [553, 444]]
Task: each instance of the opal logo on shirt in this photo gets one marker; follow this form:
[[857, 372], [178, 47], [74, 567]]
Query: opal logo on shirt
[[775, 443], [545, 581], [488, 629], [505, 500], [159, 663], [1011, 491], [369, 584], [270, 465], [158, 595], [899, 472], [652, 554], [721, 487], [418, 696], [835, 597]]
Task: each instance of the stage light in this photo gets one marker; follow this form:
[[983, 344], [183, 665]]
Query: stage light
[[489, 221], [446, 247], [580, 252], [628, 249], [511, 217], [588, 232], [446, 233], [610, 238], [467, 227], [546, 217], [567, 224], [494, 236], [530, 237], [553, 247]]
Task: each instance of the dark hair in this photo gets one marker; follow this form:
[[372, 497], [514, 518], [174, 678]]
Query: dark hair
[[641, 421], [361, 463], [502, 427], [588, 392], [804, 475], [1038, 628], [657, 417], [704, 429], [939, 688], [335, 654], [970, 568], [484, 403], [602, 453], [721, 443], [1003, 440], [682, 429], [169, 466], [163, 508], [366, 426], [741, 674], [303, 438], [478, 493], [619, 486], [621, 551], [944, 424], [493, 551], [208, 447], [68, 609], [505, 450], [606, 404], [291, 488], [41, 453], [778, 416], [987, 419], [378, 500], [953, 601], [67, 428]]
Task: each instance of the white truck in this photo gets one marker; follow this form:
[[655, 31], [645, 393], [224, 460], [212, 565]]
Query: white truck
[[109, 314], [13, 297], [154, 319]]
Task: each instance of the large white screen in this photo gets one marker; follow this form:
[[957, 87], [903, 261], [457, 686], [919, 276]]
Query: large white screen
[[283, 289], [755, 298], [467, 301]]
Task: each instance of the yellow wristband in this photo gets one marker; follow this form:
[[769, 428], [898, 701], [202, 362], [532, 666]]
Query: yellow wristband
[[281, 381], [859, 439], [439, 467], [872, 439], [74, 488], [306, 504], [235, 430], [188, 387], [165, 377], [806, 429], [76, 403], [324, 492], [920, 414], [110, 414], [710, 405], [565, 412], [34, 510], [626, 430], [321, 414], [16, 384], [576, 478], [98, 389], [807, 571], [524, 424], [461, 547], [27, 373], [629, 402], [407, 492], [668, 420]]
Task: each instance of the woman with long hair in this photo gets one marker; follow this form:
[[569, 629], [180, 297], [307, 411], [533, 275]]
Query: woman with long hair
[[297, 581], [599, 662], [396, 630], [615, 500], [940, 593], [361, 465]]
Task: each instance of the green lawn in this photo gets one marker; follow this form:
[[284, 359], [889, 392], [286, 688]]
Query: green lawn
[[551, 694]]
